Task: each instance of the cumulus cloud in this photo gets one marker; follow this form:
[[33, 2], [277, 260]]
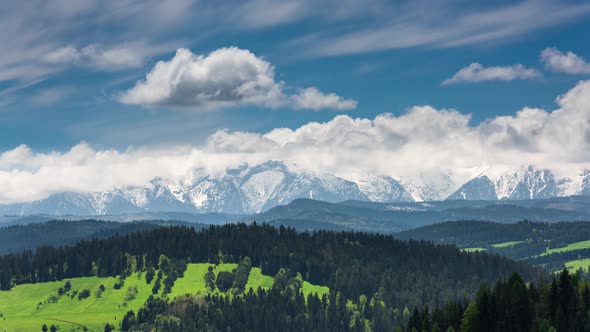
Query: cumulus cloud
[[475, 72], [424, 139], [225, 77], [568, 63]]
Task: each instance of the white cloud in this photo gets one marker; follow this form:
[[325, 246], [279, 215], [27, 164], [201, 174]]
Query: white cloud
[[99, 57], [225, 77], [314, 99], [475, 72], [421, 140], [568, 63]]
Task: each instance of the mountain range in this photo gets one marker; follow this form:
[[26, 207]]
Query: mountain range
[[254, 189]]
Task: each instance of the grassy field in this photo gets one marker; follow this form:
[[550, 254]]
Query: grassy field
[[473, 249], [569, 247], [19, 309], [20, 312], [577, 264], [507, 244]]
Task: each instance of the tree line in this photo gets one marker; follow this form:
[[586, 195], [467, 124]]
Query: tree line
[[408, 273]]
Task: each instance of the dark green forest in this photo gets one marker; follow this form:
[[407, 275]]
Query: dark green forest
[[372, 268], [562, 304], [535, 239]]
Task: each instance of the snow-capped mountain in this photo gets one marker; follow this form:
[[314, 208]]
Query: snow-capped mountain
[[253, 189], [479, 188], [430, 186], [381, 188], [585, 187], [526, 183], [243, 190]]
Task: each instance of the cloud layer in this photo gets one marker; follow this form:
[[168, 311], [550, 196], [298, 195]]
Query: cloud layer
[[226, 77], [475, 72], [96, 56], [568, 63], [422, 139]]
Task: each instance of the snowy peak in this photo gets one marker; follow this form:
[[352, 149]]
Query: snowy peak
[[479, 188], [382, 189], [430, 186], [585, 187], [526, 183], [252, 189]]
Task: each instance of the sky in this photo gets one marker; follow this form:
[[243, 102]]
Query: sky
[[97, 94]]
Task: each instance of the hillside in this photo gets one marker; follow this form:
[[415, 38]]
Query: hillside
[[63, 232], [369, 268], [306, 214], [553, 245], [26, 307]]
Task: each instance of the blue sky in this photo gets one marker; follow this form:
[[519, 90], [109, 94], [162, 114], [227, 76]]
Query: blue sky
[[98, 94], [387, 56]]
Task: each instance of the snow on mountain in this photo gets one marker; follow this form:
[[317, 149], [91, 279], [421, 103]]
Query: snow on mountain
[[381, 188], [430, 186], [479, 188], [526, 183], [243, 190], [585, 186], [253, 189]]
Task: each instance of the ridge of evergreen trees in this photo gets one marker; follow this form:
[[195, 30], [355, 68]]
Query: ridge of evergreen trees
[[405, 273], [511, 305]]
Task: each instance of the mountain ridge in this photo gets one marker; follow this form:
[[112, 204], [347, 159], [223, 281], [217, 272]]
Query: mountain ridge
[[254, 189]]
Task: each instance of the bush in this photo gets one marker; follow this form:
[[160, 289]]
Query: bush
[[52, 298], [131, 293], [98, 292], [109, 328], [85, 293]]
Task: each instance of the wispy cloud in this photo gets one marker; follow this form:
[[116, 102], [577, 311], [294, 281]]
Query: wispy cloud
[[442, 24], [565, 62], [475, 73]]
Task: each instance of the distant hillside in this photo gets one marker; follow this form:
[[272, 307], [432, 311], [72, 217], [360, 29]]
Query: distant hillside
[[63, 232], [306, 214], [554, 245]]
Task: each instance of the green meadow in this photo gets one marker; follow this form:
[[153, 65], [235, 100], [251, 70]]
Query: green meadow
[[570, 247], [507, 244], [577, 264], [27, 307]]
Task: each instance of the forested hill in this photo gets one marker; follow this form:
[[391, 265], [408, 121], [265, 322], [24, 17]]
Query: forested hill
[[402, 273], [553, 245], [17, 238]]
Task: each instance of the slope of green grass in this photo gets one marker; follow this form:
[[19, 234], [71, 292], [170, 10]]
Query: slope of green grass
[[569, 247], [314, 289], [193, 281], [257, 279], [507, 244], [20, 310], [577, 264]]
